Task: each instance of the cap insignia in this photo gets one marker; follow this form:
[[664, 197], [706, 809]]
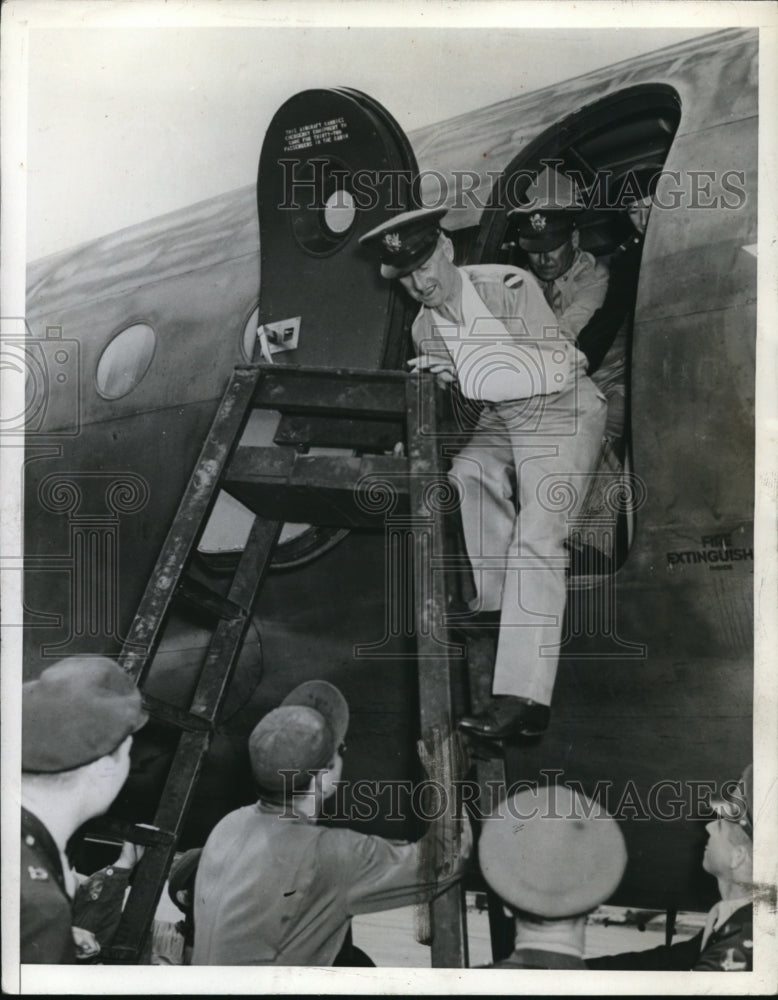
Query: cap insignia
[[393, 243], [538, 222]]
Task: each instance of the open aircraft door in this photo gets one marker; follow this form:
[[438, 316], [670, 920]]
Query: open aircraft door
[[332, 162]]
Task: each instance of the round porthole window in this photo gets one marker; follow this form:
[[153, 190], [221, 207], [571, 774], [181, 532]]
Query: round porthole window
[[249, 341], [125, 361], [339, 211]]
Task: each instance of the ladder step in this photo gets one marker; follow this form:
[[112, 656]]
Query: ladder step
[[114, 829], [327, 391], [203, 598], [350, 491], [336, 432], [169, 715]]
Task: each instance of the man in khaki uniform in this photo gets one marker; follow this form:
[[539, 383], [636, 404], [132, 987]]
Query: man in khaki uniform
[[488, 329], [273, 886]]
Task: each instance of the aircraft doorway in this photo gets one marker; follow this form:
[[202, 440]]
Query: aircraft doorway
[[613, 151]]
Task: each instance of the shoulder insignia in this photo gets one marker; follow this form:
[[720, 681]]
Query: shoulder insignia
[[37, 874], [513, 280]]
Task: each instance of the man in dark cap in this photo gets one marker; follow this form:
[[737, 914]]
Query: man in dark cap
[[553, 856], [275, 888], [488, 329], [78, 719], [726, 942], [573, 281]]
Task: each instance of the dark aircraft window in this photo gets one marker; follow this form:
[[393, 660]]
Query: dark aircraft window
[[125, 361]]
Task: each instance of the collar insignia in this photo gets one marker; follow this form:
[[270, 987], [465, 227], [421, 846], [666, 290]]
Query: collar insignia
[[538, 222], [730, 964], [393, 243]]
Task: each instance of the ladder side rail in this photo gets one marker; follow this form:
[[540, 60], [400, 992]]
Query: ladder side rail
[[189, 522], [152, 869], [213, 684], [244, 591], [448, 912]]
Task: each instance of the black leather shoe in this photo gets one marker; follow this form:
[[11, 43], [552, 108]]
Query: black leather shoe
[[508, 716]]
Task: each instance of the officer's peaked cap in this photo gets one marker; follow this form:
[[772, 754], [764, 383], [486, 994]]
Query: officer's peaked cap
[[552, 852], [405, 241]]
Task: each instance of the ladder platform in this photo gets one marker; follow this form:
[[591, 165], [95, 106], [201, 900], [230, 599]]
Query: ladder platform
[[346, 491]]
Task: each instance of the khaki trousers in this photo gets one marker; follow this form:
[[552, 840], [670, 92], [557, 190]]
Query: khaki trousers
[[549, 445]]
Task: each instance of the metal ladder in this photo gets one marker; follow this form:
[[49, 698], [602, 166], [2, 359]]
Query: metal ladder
[[347, 408]]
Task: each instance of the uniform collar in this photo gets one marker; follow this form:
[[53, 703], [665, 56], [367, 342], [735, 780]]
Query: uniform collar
[[554, 946], [726, 908], [283, 810]]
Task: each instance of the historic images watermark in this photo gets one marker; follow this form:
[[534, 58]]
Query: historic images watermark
[[310, 182], [668, 800]]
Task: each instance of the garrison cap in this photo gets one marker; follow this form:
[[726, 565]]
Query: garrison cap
[[302, 734], [405, 241], [547, 217], [552, 852], [739, 808], [78, 710]]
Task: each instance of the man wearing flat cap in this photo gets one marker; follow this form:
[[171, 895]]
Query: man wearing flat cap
[[726, 943], [552, 855], [78, 719], [275, 888], [488, 329]]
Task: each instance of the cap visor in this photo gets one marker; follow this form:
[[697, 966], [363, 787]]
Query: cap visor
[[387, 271], [542, 245], [326, 699], [390, 271], [731, 812]]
